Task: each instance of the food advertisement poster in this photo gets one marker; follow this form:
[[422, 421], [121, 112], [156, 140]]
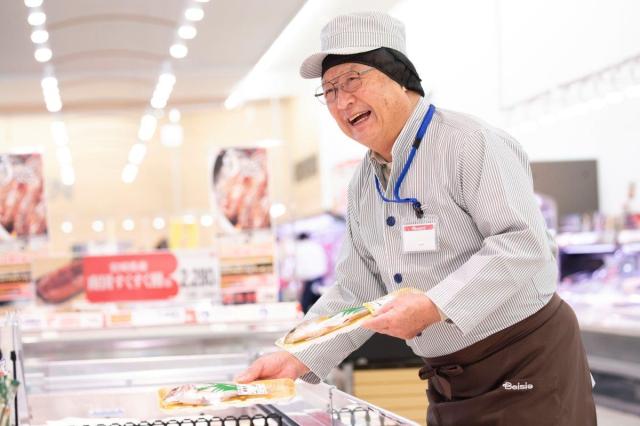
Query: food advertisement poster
[[180, 276], [240, 190], [23, 217]]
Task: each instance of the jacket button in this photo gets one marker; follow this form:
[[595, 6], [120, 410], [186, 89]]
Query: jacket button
[[397, 278], [391, 221]]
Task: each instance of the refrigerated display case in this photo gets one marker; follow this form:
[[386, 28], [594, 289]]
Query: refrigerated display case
[[606, 300], [124, 391]]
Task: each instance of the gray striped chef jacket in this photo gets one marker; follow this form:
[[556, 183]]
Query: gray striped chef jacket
[[495, 264]]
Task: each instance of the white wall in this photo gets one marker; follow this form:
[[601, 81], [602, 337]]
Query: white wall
[[546, 42], [454, 46], [611, 135], [479, 56]]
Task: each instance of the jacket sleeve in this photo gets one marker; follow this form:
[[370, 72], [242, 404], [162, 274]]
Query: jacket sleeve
[[357, 281], [494, 187]]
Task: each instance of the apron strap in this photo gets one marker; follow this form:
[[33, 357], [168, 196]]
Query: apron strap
[[439, 377]]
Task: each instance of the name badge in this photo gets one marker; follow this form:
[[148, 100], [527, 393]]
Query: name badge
[[418, 237]]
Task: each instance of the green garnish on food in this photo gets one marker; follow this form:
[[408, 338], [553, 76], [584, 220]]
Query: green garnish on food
[[219, 387], [354, 310]]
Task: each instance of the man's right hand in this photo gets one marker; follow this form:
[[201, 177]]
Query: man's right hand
[[276, 365]]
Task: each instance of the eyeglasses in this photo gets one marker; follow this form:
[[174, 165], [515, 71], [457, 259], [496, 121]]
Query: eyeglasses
[[349, 82]]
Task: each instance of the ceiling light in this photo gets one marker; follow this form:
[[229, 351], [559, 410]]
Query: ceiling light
[[66, 227], [166, 79], [33, 3], [37, 18], [128, 225], [206, 220], [129, 173], [97, 225], [158, 103], [174, 115], [171, 135], [39, 36], [189, 219], [158, 223], [43, 54], [269, 143], [178, 50], [148, 124], [277, 210], [64, 154], [53, 104], [137, 153], [49, 83], [68, 176], [187, 32], [194, 14], [59, 133]]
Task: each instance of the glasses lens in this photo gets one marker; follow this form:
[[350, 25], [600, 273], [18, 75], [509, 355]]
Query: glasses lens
[[351, 82], [319, 95]]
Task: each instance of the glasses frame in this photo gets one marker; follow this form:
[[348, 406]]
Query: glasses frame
[[337, 85]]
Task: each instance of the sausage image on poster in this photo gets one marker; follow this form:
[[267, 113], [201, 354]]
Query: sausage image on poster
[[239, 182], [22, 202]]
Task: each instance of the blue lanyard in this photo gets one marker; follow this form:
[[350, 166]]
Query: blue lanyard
[[417, 207]]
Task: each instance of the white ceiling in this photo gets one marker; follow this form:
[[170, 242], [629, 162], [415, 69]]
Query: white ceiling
[[107, 54]]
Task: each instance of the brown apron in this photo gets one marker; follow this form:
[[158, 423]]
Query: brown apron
[[533, 373]]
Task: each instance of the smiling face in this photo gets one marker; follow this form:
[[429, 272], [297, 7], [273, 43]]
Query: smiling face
[[374, 114]]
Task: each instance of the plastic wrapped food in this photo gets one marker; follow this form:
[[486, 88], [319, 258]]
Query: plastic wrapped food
[[224, 395], [321, 329]]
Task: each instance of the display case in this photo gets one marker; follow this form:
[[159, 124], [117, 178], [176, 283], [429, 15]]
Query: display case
[[125, 392]]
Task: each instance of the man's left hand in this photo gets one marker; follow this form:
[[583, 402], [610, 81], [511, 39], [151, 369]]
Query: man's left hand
[[404, 317]]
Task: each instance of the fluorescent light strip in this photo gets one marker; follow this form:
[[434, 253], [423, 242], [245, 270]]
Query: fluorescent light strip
[[163, 89], [50, 90]]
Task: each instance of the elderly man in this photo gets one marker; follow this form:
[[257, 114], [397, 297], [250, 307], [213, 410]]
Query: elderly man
[[444, 203]]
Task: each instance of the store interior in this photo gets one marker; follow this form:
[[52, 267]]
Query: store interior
[[162, 165]]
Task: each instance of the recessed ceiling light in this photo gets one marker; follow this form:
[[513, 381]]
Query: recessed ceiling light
[[49, 83], [53, 104], [137, 153], [128, 225], [194, 14], [66, 227], [39, 36], [147, 127], [187, 32], [129, 173], [158, 223], [97, 226], [178, 50], [206, 220], [158, 103], [64, 154], [174, 115], [43, 54], [33, 3], [68, 175], [37, 18]]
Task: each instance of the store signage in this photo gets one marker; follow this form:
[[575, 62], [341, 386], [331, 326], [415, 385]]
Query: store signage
[[130, 277]]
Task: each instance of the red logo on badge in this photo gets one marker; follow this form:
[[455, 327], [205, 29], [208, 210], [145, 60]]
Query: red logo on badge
[[425, 227], [130, 277]]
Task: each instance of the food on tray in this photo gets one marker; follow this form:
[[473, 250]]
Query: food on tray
[[61, 284], [222, 395], [320, 329], [320, 326]]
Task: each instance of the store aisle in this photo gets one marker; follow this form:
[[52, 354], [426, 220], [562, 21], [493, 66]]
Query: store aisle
[[609, 417]]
